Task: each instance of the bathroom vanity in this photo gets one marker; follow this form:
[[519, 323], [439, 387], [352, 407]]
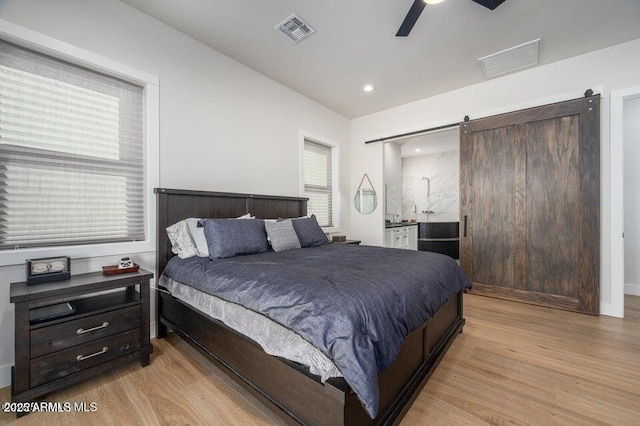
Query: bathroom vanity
[[401, 235]]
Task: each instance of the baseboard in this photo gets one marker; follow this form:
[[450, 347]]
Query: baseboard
[[605, 309], [632, 289]]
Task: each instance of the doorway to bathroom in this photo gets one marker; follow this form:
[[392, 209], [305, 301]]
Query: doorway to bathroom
[[422, 186]]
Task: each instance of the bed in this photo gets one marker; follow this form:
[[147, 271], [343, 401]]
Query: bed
[[287, 388]]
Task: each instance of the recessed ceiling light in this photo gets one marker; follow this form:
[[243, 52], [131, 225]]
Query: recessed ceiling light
[[433, 1], [368, 88], [417, 149]]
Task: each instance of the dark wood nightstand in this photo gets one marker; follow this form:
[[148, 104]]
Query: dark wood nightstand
[[356, 242], [106, 330]]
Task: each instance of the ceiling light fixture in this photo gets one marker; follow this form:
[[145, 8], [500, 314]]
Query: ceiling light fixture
[[368, 88], [417, 149], [433, 1]]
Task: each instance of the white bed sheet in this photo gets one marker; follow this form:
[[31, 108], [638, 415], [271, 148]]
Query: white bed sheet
[[274, 338]]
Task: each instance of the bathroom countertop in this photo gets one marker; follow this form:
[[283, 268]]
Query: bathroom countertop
[[397, 225]]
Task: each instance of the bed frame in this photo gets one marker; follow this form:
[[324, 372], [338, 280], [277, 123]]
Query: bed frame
[[285, 387]]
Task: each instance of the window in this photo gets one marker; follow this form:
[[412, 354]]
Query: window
[[72, 154], [320, 182]]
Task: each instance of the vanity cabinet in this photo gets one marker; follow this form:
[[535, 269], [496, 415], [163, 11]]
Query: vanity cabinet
[[402, 237]]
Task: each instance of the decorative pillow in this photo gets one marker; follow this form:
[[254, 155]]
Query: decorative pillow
[[230, 237], [282, 235], [197, 234], [309, 232], [181, 242], [270, 220]]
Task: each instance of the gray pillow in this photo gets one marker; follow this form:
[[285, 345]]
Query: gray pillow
[[309, 232], [197, 234], [230, 237], [282, 235]]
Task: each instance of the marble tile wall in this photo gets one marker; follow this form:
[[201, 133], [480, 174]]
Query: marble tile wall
[[443, 171]]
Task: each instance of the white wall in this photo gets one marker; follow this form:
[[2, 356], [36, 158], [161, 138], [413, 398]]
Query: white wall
[[393, 180], [443, 171], [223, 126], [604, 70], [632, 196]]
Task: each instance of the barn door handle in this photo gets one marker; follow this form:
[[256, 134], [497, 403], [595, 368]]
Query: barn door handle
[[465, 225]]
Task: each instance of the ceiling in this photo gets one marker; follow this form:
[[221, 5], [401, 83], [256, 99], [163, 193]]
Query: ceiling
[[430, 143], [355, 41]]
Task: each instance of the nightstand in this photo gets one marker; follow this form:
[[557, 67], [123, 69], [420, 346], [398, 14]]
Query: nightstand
[[356, 242], [104, 331]]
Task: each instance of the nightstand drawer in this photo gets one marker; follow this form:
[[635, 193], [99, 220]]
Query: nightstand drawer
[[69, 361], [46, 340]]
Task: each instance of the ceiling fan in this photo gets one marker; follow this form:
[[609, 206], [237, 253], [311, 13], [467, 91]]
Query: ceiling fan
[[419, 5]]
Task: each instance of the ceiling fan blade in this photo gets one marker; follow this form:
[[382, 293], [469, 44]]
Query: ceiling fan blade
[[490, 4], [411, 18]]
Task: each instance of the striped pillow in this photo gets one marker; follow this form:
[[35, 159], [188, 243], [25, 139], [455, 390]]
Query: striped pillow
[[282, 235]]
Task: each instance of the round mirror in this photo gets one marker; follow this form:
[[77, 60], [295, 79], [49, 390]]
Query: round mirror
[[366, 200]]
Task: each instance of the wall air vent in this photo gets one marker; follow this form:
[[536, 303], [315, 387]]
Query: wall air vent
[[512, 59], [295, 28]]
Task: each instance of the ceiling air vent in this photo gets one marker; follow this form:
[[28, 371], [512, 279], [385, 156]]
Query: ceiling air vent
[[509, 60], [295, 28]]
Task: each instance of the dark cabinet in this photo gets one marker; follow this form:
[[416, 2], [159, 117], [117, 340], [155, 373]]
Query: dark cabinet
[[440, 237], [107, 326]]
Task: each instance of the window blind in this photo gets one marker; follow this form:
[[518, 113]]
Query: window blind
[[71, 153], [317, 182]]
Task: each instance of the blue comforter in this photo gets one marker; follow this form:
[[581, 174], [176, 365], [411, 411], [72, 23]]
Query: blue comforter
[[357, 304]]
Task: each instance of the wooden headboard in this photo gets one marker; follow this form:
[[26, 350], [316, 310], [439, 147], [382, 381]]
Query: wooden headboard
[[175, 205]]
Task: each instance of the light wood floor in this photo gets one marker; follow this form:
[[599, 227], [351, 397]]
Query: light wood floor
[[513, 364]]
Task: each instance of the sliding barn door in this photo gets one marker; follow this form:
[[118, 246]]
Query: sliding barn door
[[530, 205]]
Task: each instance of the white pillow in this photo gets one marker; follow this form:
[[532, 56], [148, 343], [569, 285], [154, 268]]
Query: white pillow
[[197, 234], [181, 242]]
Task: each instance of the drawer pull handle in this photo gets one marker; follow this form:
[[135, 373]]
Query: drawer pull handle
[[83, 357], [89, 330]]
